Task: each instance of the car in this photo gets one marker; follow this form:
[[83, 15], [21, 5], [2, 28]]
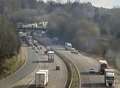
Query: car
[[36, 51], [73, 50], [57, 67], [39, 47], [33, 47], [92, 70]]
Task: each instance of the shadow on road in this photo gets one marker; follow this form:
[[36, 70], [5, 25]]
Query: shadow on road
[[93, 85], [41, 61], [59, 49], [24, 86], [89, 73]]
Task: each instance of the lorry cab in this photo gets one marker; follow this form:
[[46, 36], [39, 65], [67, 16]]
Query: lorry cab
[[68, 46], [109, 77]]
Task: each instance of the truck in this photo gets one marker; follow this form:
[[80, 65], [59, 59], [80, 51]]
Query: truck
[[41, 78], [50, 54], [68, 46], [109, 77], [103, 66]]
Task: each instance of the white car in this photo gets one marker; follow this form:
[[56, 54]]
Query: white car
[[73, 50], [92, 70]]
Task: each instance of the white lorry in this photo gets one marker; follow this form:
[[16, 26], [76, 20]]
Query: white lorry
[[103, 66], [109, 77], [68, 46], [41, 78], [51, 55]]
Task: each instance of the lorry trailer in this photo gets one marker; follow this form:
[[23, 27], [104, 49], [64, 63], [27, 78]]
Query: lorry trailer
[[41, 78], [51, 55]]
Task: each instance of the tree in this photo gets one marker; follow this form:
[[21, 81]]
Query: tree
[[9, 44]]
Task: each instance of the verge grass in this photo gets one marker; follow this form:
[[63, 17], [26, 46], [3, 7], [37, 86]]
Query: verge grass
[[11, 65]]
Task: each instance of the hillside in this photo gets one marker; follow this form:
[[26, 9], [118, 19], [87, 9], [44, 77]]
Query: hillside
[[90, 29]]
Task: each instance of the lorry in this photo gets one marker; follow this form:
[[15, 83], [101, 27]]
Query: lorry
[[41, 78], [50, 54], [109, 77], [103, 66], [68, 46]]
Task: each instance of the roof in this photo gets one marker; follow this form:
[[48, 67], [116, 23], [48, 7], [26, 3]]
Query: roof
[[68, 44], [110, 74], [109, 70], [51, 52], [42, 72], [103, 61]]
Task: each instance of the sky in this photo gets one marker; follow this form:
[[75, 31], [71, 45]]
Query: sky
[[99, 3], [116, 2], [104, 3]]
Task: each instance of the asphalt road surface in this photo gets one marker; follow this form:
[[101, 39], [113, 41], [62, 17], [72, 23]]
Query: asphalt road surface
[[57, 78], [22, 72], [84, 64], [24, 77]]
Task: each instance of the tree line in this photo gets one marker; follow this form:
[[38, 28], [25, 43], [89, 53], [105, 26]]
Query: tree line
[[9, 42], [91, 29]]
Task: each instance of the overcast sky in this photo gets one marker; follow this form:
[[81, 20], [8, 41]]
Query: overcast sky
[[98, 3], [104, 3], [101, 3]]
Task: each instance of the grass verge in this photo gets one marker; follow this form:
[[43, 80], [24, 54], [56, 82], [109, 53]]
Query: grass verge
[[75, 78], [11, 65]]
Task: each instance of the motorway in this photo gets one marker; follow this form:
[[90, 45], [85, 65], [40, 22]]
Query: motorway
[[21, 73], [24, 77], [57, 78], [84, 64]]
